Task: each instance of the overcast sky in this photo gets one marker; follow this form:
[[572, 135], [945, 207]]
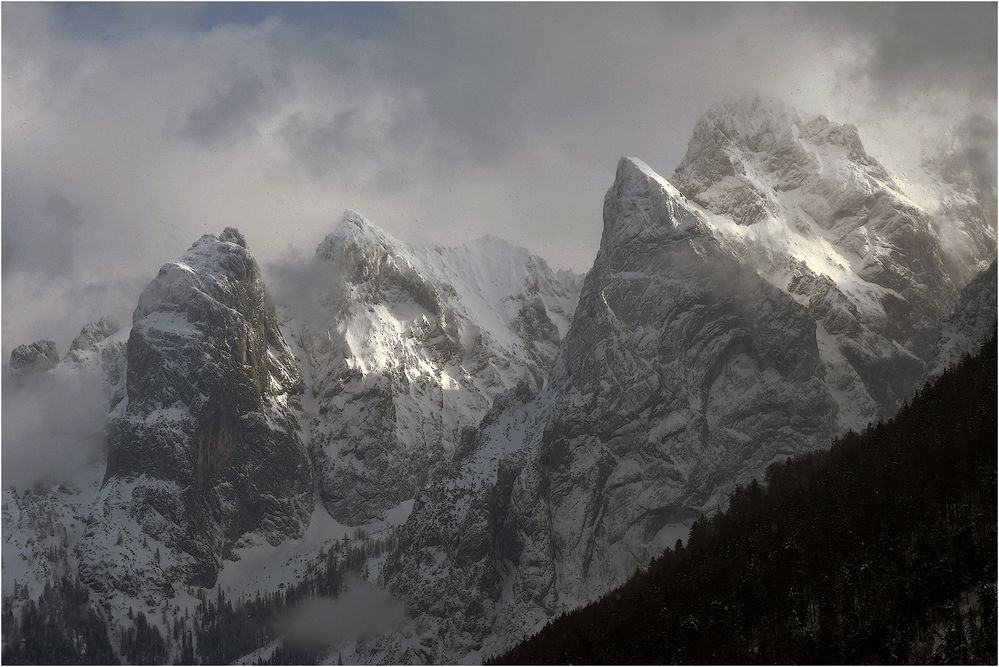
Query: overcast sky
[[129, 130]]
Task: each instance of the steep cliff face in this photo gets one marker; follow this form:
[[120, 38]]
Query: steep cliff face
[[973, 320], [797, 197], [407, 346], [207, 447], [683, 373]]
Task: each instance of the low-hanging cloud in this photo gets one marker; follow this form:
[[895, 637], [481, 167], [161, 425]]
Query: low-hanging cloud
[[363, 609], [53, 426], [298, 282], [976, 138]]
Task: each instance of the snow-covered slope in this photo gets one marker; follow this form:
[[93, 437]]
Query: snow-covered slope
[[407, 346], [797, 197], [455, 552]]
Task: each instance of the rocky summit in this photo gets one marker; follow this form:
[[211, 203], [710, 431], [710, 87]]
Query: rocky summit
[[797, 197], [207, 447], [36, 357]]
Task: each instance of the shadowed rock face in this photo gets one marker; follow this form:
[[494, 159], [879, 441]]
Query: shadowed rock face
[[208, 448], [973, 320]]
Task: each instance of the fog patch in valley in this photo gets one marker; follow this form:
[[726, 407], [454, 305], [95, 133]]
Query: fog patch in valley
[[363, 609]]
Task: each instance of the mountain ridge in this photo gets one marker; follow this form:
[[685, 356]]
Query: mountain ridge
[[526, 436]]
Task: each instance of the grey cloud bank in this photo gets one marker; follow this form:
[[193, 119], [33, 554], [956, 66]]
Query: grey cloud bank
[[128, 135]]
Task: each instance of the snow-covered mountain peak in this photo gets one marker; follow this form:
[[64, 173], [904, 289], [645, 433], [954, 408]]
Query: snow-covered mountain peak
[[746, 151], [355, 239], [207, 274], [232, 235], [474, 288], [490, 266], [750, 115], [643, 205], [797, 197], [207, 447], [408, 344], [634, 174], [94, 332], [758, 123], [515, 257]]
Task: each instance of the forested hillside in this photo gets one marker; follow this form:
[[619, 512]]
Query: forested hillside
[[61, 626], [881, 549]]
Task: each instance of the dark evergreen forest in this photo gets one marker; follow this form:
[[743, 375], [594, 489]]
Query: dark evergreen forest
[[881, 549]]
